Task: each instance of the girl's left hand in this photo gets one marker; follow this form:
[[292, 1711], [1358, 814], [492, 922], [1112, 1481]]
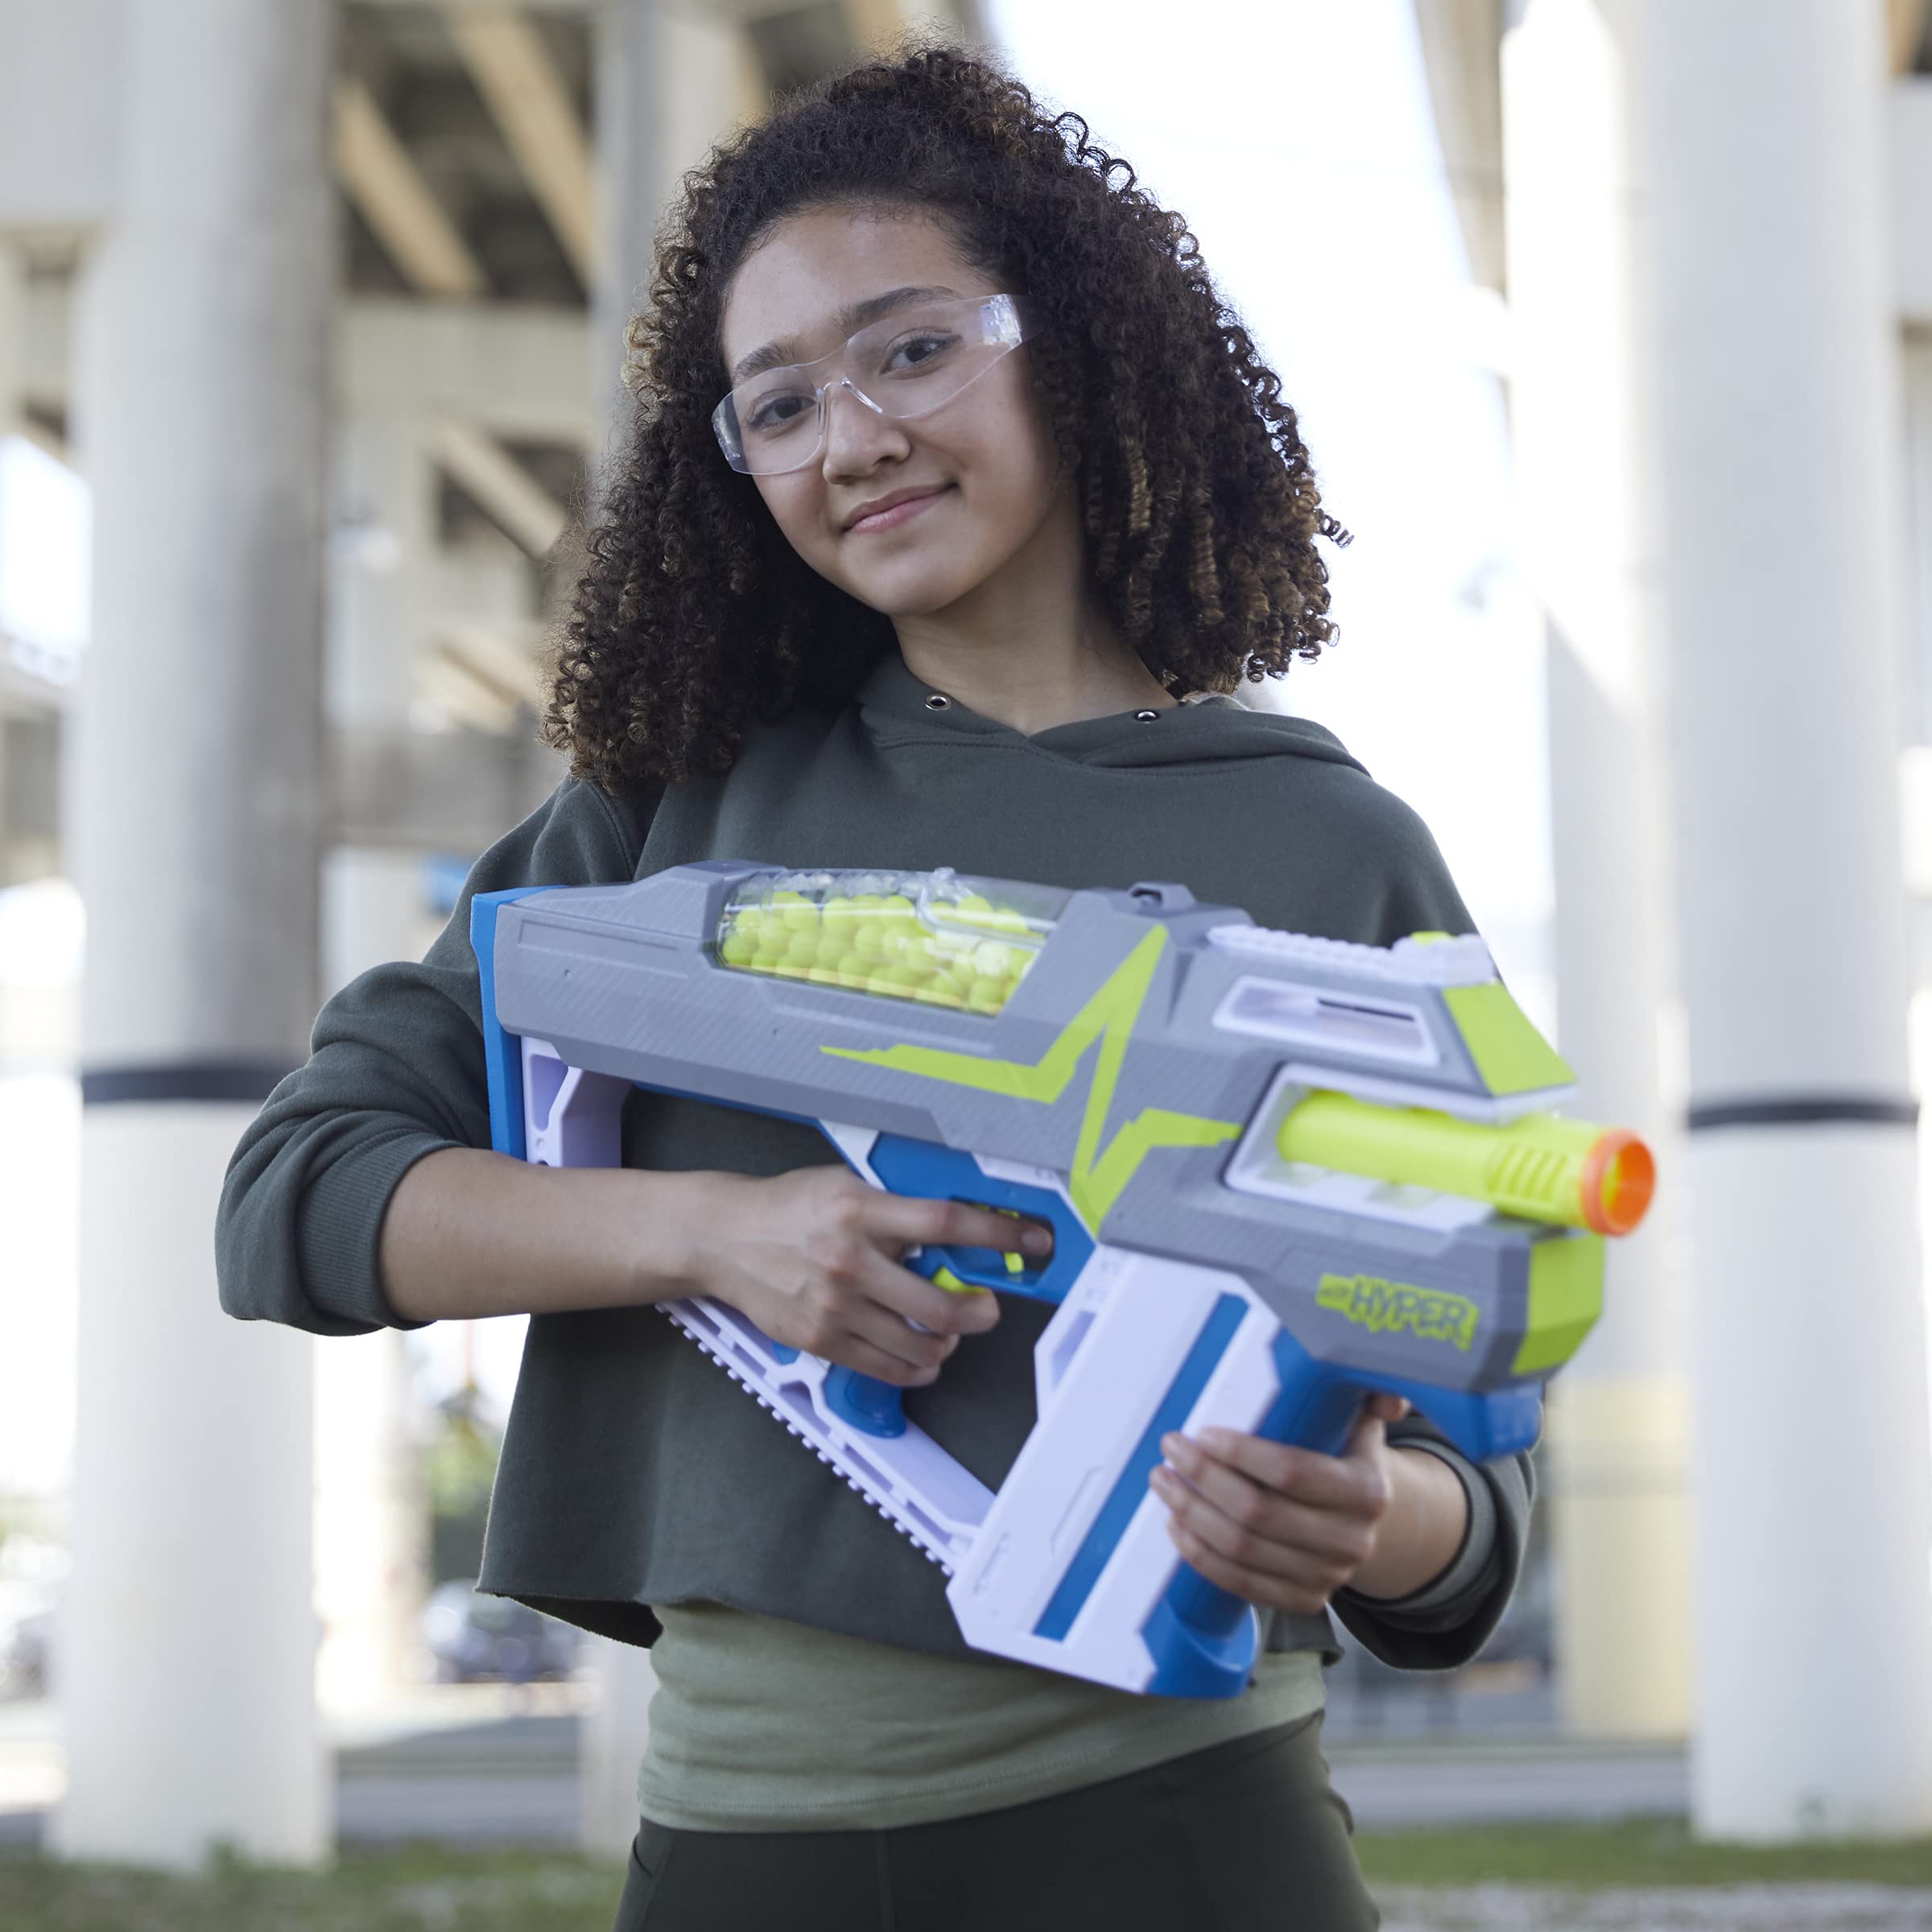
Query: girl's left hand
[[1285, 1528]]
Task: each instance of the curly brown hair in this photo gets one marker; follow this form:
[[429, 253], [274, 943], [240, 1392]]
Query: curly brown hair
[[694, 616]]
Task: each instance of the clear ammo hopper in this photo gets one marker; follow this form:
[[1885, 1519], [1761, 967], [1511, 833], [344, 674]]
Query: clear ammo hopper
[[949, 939]]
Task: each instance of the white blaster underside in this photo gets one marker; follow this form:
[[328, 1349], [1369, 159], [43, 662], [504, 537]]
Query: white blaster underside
[[1064, 1565]]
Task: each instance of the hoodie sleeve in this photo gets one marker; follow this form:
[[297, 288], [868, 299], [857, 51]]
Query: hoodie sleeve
[[1448, 1621], [395, 1071]]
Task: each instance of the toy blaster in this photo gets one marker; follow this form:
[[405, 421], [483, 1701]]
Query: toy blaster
[[1283, 1173]]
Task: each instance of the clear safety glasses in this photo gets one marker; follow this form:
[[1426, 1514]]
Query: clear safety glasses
[[904, 366]]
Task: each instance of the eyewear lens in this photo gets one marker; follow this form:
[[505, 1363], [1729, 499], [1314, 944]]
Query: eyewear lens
[[907, 366]]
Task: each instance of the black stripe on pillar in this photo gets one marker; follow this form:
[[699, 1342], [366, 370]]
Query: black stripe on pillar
[[182, 1080], [1801, 1110]]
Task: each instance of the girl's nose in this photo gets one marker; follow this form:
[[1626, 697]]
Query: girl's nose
[[857, 433]]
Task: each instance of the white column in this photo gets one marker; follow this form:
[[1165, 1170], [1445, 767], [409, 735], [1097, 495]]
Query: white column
[[670, 81], [634, 184], [382, 561], [1918, 541], [1582, 432], [632, 75], [12, 332], [1812, 1489], [372, 1524], [616, 1727], [371, 1520], [188, 1665], [13, 356]]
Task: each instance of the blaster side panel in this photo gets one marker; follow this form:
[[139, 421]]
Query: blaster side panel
[[1073, 1555], [650, 1003], [1298, 1259]]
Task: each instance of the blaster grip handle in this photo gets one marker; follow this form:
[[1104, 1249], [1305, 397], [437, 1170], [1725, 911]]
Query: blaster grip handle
[[1316, 1409], [920, 1169]]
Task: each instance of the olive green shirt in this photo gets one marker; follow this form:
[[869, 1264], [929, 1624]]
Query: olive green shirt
[[868, 1735]]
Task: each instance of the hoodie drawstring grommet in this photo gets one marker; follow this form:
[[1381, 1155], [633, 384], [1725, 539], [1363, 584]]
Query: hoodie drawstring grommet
[[937, 701], [1146, 717]]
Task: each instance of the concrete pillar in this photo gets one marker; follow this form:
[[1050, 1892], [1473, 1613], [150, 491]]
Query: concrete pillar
[[13, 356], [189, 1665], [1583, 451], [648, 132], [371, 1521], [1763, 120], [1918, 542], [372, 1524], [382, 556], [633, 49], [13, 335], [615, 1726], [631, 46]]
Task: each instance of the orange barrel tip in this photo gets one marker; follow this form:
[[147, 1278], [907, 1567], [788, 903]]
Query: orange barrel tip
[[1619, 1177]]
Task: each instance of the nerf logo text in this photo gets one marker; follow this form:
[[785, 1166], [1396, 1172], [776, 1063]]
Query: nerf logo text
[[1381, 1307]]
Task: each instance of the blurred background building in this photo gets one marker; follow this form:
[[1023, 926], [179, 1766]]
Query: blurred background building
[[311, 318]]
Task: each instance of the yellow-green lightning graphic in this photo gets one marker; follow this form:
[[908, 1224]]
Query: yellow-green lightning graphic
[[1099, 1174]]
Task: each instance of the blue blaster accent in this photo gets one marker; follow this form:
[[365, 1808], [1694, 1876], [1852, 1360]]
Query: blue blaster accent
[[1319, 1402], [502, 1054], [919, 1169], [1202, 1638], [864, 1402], [1130, 1490]]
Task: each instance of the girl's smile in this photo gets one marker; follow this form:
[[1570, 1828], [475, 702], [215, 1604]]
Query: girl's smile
[[897, 509]]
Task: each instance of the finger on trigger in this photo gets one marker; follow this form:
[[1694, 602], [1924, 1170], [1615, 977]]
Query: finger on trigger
[[911, 1297], [1006, 1231]]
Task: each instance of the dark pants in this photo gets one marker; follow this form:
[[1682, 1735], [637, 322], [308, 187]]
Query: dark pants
[[1247, 1836]]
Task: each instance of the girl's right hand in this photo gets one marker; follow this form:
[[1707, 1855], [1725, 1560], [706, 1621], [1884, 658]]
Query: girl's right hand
[[813, 1257]]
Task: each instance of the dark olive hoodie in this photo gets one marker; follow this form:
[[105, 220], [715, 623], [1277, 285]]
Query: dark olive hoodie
[[633, 1471]]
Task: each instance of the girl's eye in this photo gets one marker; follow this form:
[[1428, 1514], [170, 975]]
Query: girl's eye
[[918, 351], [778, 411]]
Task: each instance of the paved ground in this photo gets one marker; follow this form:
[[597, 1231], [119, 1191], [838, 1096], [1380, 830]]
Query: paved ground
[[458, 1769], [1682, 1909], [1458, 1781]]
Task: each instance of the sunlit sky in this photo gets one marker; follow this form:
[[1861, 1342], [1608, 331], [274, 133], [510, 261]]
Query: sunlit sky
[[1295, 137], [42, 548]]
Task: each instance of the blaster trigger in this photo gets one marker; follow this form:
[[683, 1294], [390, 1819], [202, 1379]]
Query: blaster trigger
[[865, 1402]]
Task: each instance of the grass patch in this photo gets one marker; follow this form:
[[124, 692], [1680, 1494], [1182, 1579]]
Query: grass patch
[[412, 1888], [1640, 1851], [429, 1888]]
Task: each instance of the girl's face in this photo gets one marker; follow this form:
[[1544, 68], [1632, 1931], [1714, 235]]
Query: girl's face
[[985, 460]]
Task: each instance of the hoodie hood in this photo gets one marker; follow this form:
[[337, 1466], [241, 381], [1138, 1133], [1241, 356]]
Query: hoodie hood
[[892, 704]]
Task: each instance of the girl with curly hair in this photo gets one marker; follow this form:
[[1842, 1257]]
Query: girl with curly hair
[[954, 507]]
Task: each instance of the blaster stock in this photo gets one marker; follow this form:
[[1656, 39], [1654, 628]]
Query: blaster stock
[[1283, 1173]]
